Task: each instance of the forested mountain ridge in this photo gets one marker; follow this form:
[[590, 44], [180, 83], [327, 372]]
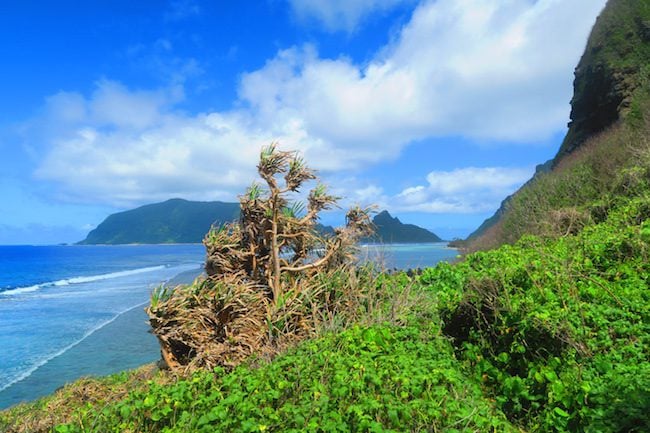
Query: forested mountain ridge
[[389, 229]]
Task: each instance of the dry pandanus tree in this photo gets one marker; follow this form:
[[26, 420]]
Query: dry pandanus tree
[[275, 237], [274, 248]]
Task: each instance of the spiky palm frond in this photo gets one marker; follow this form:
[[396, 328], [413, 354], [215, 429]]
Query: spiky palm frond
[[272, 162], [359, 219], [267, 151], [159, 295], [294, 210], [298, 174], [319, 200], [254, 192]]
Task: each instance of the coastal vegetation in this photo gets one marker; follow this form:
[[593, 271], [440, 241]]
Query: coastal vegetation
[[269, 276], [547, 331], [544, 335]]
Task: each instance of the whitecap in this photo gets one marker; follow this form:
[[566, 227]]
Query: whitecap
[[79, 280]]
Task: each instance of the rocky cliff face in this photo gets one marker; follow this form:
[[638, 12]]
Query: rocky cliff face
[[611, 71], [612, 82]]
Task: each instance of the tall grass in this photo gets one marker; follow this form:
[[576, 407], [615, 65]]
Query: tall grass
[[560, 202]]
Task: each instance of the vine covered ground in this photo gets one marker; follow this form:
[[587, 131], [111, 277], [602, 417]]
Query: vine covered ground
[[544, 335]]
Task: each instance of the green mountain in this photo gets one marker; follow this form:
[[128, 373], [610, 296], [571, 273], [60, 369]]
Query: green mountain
[[608, 123], [172, 221], [183, 221], [611, 79], [392, 230]]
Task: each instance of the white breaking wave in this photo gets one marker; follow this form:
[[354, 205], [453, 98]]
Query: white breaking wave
[[79, 280], [25, 374]]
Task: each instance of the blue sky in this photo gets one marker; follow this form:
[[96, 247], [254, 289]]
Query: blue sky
[[434, 110]]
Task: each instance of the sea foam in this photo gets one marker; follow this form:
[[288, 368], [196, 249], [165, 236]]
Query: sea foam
[[78, 280]]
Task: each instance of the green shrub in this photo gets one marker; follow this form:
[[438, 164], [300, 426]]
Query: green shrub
[[559, 330]]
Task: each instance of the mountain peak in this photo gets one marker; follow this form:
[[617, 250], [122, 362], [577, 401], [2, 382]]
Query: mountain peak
[[182, 221], [384, 217], [391, 229]]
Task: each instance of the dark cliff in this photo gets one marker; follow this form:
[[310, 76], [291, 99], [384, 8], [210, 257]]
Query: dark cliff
[[611, 85], [614, 68]]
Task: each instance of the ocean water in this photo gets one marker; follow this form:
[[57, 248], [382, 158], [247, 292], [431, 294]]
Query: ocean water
[[56, 299], [408, 256], [73, 311]]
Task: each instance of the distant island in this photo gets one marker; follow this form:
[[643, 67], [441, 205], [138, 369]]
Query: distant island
[[183, 221], [173, 221], [392, 230]]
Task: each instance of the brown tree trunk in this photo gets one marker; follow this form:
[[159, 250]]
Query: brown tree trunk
[[275, 249]]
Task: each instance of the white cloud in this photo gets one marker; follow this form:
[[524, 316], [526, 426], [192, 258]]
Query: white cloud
[[464, 190], [478, 68], [142, 151], [468, 190], [484, 69], [340, 14], [475, 179]]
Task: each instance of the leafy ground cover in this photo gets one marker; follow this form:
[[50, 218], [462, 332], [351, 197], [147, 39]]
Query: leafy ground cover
[[558, 331], [544, 335], [550, 334], [380, 379]]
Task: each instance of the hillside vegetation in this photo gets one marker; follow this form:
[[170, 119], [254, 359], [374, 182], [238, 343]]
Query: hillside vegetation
[[544, 335], [608, 127]]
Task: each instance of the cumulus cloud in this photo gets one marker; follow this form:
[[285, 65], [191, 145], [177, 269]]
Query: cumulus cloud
[[478, 68], [468, 190], [127, 147], [463, 190], [340, 14], [483, 69]]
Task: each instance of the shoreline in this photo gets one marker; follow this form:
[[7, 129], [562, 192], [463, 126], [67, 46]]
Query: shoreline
[[98, 354]]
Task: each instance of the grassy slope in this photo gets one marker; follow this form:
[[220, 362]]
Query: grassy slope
[[611, 90], [559, 330]]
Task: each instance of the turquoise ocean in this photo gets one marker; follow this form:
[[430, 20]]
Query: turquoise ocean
[[73, 311]]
